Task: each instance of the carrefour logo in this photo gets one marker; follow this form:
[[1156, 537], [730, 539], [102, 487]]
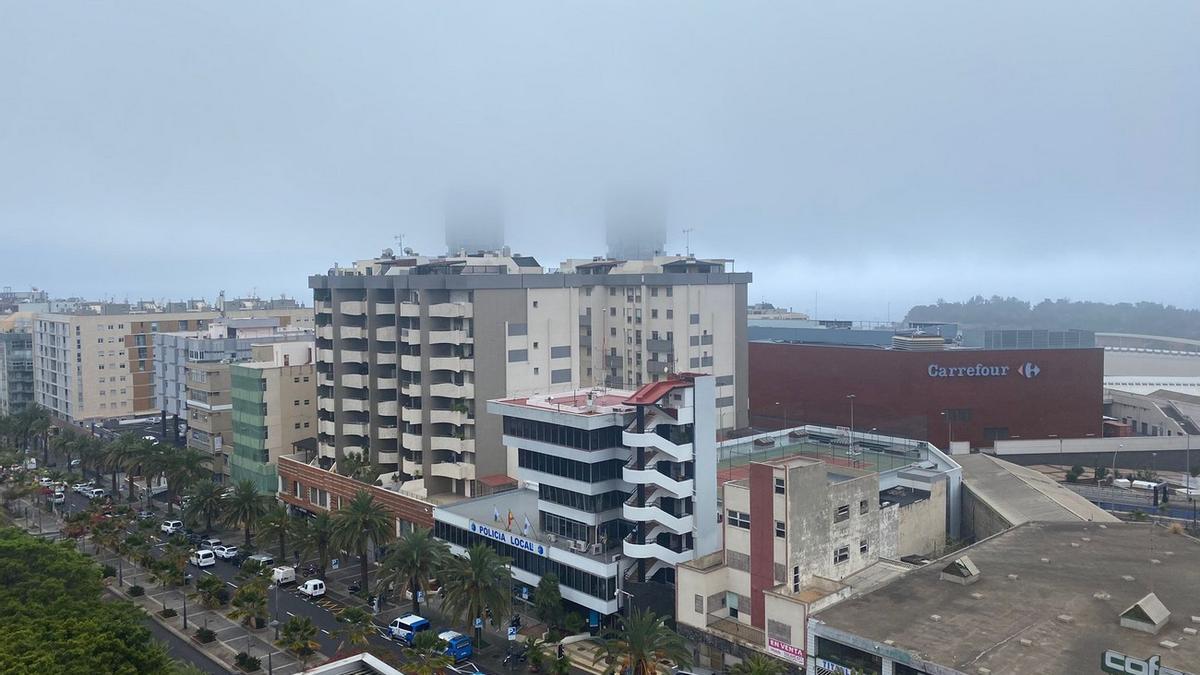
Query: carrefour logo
[[1029, 370]]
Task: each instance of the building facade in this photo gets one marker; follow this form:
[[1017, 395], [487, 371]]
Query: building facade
[[407, 348], [968, 396], [274, 407], [617, 488], [97, 363], [16, 371]]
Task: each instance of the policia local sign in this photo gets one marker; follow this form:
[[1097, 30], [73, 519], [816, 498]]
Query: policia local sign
[[1119, 664]]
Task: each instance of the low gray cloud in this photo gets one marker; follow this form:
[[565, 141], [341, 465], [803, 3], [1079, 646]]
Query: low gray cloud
[[853, 155]]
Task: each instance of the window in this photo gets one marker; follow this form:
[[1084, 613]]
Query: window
[[841, 555], [739, 519], [694, 319], [516, 355], [296, 402], [796, 579], [779, 486], [518, 329], [863, 507], [535, 303], [296, 380], [843, 513], [306, 401], [297, 426], [612, 311], [306, 425], [863, 547], [780, 529], [306, 378], [654, 314], [779, 630], [670, 313], [699, 602], [670, 291]]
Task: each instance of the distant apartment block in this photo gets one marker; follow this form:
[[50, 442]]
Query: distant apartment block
[[274, 407], [97, 362], [16, 372], [406, 347]]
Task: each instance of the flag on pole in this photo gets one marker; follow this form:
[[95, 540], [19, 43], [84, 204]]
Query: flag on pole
[[495, 514], [525, 528], [510, 521]]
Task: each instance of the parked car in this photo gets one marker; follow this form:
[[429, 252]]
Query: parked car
[[78, 488], [210, 543], [283, 575], [96, 493], [406, 627], [75, 463], [171, 526], [145, 515], [58, 498], [203, 558], [264, 560], [458, 646], [224, 552], [313, 588]]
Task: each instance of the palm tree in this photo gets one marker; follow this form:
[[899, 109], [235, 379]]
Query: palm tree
[[277, 524], [208, 502], [642, 641], [476, 583], [245, 506], [117, 454], [90, 449], [64, 444], [34, 422], [358, 627], [145, 458], [298, 637], [427, 655], [315, 535], [412, 561], [758, 664], [183, 467], [250, 604], [209, 589], [359, 524]]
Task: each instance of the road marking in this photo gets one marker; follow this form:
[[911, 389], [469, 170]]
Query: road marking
[[290, 614], [325, 632], [208, 573], [231, 584]]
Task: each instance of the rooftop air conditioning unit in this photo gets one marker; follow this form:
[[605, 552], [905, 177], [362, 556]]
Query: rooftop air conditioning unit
[[553, 538], [597, 549]]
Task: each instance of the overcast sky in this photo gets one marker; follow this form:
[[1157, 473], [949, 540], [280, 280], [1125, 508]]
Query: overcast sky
[[855, 154]]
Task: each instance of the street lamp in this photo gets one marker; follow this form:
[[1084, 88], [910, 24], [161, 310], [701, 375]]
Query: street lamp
[[851, 397], [1120, 446], [949, 428], [275, 611]]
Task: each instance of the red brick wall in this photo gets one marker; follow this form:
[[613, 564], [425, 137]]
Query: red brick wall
[[894, 391], [415, 511], [762, 540]]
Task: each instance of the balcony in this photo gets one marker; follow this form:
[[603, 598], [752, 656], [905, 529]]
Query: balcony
[[451, 310], [325, 404], [455, 470], [327, 427], [452, 444], [352, 356], [659, 346], [614, 361], [322, 306], [325, 332], [411, 415], [410, 440], [355, 381], [325, 355], [451, 390], [354, 428], [677, 488], [657, 367], [410, 309], [388, 408], [411, 389], [454, 337], [353, 332], [388, 457], [452, 363], [679, 453], [385, 308], [653, 551], [653, 514], [386, 333], [387, 383], [386, 358], [354, 405], [389, 432], [455, 417], [353, 307], [410, 467], [410, 362]]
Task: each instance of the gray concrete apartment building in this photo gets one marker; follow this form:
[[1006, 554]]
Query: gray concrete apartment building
[[16, 371], [406, 347]]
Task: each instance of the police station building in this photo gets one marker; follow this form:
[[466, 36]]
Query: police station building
[[615, 489]]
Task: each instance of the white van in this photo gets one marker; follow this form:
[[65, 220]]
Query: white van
[[283, 575], [203, 558], [171, 526], [96, 493], [313, 588]]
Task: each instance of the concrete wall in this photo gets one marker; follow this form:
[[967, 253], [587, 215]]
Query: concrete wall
[[494, 309], [979, 520], [813, 535], [704, 447], [922, 525]]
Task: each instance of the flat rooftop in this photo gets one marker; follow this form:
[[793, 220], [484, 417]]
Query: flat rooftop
[[871, 452], [522, 503], [1057, 615], [602, 402], [1022, 494]]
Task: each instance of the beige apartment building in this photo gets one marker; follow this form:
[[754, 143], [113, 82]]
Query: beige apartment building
[[97, 361], [407, 347], [274, 406]]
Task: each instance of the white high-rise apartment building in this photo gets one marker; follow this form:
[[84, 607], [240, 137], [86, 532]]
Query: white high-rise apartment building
[[407, 346]]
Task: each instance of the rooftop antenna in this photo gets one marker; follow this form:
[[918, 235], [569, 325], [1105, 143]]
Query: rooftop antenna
[[687, 234], [399, 241]]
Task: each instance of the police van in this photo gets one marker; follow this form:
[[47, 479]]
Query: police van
[[458, 646], [406, 627]]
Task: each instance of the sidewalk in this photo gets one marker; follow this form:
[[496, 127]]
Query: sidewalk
[[231, 639]]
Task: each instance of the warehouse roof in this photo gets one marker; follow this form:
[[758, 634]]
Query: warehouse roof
[[1021, 495]]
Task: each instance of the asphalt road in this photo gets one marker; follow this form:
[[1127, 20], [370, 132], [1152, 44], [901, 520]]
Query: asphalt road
[[182, 650]]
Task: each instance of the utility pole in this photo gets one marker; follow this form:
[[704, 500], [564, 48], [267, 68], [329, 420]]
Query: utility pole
[[687, 234]]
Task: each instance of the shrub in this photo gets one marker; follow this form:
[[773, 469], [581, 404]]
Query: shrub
[[205, 635], [247, 663], [136, 590], [109, 571], [168, 612]]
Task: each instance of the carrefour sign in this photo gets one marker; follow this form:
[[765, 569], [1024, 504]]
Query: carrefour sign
[[1119, 664], [508, 538], [1027, 370]]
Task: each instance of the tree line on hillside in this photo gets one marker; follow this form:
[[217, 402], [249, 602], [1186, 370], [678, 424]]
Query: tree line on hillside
[[1149, 318]]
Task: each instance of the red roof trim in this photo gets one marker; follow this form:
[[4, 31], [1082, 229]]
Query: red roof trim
[[652, 393]]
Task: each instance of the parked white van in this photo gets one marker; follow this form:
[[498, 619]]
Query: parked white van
[[283, 575], [96, 493], [313, 588], [203, 558]]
